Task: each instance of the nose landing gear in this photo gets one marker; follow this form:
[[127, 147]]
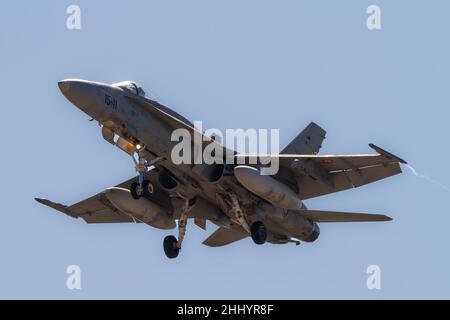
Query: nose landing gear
[[142, 187], [138, 190]]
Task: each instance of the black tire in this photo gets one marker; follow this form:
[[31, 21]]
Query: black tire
[[170, 247], [147, 188], [134, 191], [259, 232]]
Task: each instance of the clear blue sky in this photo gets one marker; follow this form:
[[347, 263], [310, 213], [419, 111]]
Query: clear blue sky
[[232, 64]]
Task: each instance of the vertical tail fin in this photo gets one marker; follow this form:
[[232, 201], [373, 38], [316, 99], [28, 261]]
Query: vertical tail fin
[[309, 141]]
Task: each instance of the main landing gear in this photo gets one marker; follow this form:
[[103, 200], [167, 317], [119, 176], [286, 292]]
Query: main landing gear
[[172, 246], [258, 232], [142, 187]]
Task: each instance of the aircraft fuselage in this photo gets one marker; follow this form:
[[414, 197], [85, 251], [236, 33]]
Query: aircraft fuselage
[[111, 107]]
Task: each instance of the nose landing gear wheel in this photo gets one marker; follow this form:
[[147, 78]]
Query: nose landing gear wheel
[[136, 190], [142, 187], [171, 248], [147, 188], [259, 232]]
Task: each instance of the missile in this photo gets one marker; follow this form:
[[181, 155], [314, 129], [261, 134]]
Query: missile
[[143, 209], [267, 188]]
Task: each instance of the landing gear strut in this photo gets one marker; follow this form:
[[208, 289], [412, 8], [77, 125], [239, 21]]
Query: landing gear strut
[[142, 187], [172, 246], [238, 212]]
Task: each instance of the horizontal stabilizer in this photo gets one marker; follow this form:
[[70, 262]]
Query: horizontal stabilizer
[[223, 237], [332, 216]]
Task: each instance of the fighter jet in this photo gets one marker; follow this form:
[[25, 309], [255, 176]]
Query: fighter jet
[[237, 197]]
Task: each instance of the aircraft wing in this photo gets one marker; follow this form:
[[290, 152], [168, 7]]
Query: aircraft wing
[[223, 236], [345, 179], [98, 209], [317, 175]]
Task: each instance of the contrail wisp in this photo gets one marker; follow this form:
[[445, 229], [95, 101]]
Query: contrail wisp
[[427, 178]]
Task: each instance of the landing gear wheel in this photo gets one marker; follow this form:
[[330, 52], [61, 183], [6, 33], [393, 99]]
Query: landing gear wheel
[[259, 232], [136, 190], [147, 188], [171, 247]]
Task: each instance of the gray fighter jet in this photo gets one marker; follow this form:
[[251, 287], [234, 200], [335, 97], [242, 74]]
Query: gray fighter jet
[[238, 198]]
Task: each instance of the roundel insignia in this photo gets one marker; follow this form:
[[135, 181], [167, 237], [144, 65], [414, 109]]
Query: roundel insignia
[[327, 161]]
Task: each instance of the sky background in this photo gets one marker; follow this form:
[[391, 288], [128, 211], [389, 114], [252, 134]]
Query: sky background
[[231, 64]]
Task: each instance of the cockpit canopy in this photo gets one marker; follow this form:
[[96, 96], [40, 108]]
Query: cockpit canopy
[[132, 87]]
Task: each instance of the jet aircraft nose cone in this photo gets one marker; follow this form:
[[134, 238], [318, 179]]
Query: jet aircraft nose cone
[[64, 86]]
